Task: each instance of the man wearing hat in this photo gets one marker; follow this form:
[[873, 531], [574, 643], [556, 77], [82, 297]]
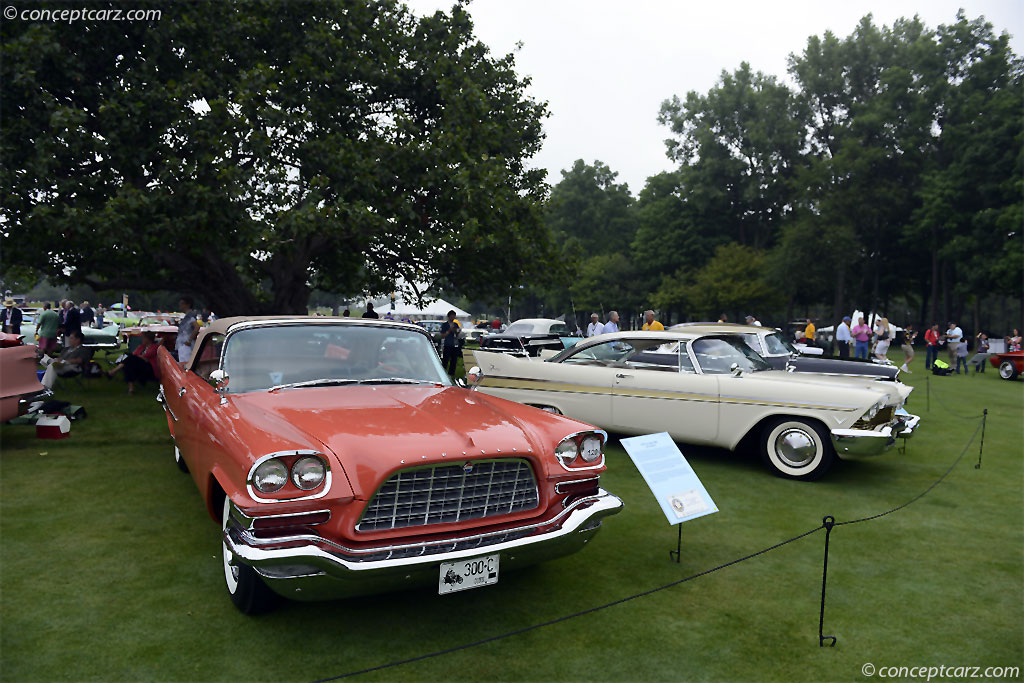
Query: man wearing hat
[[843, 337], [751, 320], [11, 317]]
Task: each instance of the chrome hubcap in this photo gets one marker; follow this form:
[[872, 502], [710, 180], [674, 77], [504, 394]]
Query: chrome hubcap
[[795, 448], [1005, 370]]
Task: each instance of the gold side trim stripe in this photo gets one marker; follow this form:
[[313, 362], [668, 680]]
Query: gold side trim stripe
[[561, 387]]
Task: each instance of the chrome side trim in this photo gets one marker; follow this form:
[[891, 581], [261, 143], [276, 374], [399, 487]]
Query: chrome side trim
[[162, 400], [279, 454]]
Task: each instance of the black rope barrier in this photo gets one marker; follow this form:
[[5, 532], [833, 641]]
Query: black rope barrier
[[828, 523], [945, 407], [558, 620]]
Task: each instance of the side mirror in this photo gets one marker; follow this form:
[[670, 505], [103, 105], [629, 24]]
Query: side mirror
[[219, 381], [735, 370], [474, 375]]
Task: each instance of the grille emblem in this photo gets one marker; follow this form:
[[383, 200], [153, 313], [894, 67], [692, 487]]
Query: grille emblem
[[468, 467]]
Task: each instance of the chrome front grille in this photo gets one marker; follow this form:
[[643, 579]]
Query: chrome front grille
[[442, 494]]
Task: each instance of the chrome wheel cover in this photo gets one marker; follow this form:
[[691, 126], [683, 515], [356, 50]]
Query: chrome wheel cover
[[796, 448], [230, 569], [1006, 369]]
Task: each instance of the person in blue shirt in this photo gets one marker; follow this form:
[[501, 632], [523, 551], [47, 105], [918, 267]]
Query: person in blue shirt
[[613, 322]]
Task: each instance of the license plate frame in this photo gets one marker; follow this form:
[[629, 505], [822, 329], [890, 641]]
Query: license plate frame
[[472, 572]]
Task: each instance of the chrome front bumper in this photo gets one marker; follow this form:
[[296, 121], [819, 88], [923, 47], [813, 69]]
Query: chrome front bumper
[[870, 442], [310, 567]]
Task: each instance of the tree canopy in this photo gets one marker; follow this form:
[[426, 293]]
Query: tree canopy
[[892, 169], [250, 152]]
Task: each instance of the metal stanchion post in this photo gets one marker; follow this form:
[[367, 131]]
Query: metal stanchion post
[[981, 447], [829, 521]]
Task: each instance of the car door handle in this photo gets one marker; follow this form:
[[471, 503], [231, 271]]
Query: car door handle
[[619, 375], [181, 392]]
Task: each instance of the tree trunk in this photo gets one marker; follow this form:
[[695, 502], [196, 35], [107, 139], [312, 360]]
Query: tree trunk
[[840, 290], [934, 297]]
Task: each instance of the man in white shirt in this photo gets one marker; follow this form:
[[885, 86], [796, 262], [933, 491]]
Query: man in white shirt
[[953, 336], [751, 320], [595, 327], [843, 337], [613, 323]]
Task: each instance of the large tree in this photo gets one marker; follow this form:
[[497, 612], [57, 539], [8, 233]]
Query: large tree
[[249, 152]]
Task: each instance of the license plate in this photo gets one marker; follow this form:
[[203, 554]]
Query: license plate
[[466, 574]]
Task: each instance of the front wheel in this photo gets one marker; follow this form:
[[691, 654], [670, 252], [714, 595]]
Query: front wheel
[[796, 449], [179, 461], [1007, 370], [248, 592]]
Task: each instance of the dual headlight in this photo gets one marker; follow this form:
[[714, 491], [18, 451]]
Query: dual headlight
[[581, 449], [873, 410], [306, 473]]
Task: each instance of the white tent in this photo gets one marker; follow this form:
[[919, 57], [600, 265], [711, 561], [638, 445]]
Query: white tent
[[435, 310]]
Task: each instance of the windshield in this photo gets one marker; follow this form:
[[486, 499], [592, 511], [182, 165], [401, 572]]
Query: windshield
[[716, 355], [778, 344], [520, 328], [265, 357]]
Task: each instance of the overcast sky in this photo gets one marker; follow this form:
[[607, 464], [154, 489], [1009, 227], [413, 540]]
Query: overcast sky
[[604, 67]]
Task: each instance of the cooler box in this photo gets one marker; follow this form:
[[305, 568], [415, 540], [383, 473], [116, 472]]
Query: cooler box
[[53, 427]]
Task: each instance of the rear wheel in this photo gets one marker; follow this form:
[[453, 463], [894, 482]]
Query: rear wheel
[[796, 449], [1007, 370], [247, 590]]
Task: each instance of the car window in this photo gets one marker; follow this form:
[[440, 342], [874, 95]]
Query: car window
[[559, 328], [262, 357], [777, 345], [520, 328], [752, 341], [716, 356], [208, 356], [645, 353]]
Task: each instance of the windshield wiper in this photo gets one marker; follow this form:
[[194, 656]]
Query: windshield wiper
[[323, 381], [395, 380]]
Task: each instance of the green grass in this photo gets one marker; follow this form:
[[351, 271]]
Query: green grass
[[111, 571]]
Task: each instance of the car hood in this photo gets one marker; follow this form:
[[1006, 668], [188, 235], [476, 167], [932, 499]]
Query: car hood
[[375, 430]]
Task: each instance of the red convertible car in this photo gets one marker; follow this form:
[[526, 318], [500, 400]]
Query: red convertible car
[[340, 460], [1010, 364]]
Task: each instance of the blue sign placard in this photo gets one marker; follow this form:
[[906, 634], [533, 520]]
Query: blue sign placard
[[671, 479]]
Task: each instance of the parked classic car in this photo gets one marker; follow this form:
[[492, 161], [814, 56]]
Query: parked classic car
[[93, 338], [340, 460], [772, 345], [18, 378], [528, 336], [1010, 364], [163, 325], [706, 389]]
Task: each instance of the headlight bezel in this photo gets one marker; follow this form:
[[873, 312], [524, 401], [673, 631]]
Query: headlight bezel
[[291, 490], [572, 445]]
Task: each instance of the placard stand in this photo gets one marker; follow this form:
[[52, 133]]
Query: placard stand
[[674, 554]]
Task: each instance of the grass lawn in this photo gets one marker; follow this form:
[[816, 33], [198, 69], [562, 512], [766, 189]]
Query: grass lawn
[[110, 569]]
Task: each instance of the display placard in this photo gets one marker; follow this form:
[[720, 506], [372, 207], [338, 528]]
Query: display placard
[[671, 479]]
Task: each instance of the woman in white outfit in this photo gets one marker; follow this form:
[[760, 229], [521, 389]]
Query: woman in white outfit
[[882, 334]]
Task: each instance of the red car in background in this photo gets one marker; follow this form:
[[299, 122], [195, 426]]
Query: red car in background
[[340, 460], [1010, 364], [18, 378]]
